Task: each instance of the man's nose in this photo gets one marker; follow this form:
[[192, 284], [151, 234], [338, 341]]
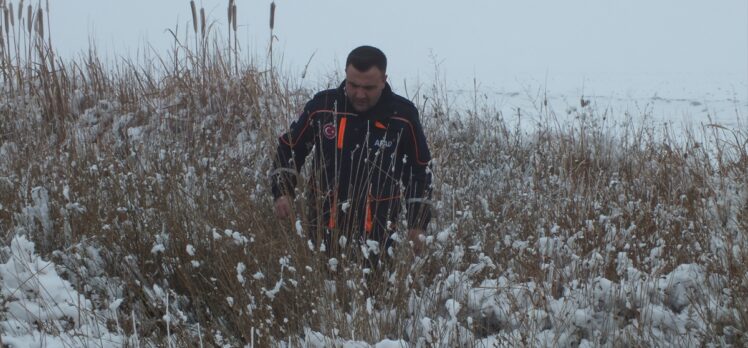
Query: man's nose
[[358, 93]]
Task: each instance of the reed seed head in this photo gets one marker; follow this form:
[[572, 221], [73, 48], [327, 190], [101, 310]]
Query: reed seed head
[[40, 22], [29, 18], [233, 17], [202, 21], [194, 16], [7, 20], [272, 15], [12, 20], [231, 5]]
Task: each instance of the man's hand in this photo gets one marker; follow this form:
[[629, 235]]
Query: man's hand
[[416, 237], [283, 206]]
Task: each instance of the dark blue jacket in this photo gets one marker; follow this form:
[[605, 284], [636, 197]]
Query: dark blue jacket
[[363, 164]]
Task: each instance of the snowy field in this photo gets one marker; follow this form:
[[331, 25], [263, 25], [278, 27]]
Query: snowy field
[[526, 251], [677, 100]]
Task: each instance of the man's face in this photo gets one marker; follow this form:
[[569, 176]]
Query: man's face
[[364, 88]]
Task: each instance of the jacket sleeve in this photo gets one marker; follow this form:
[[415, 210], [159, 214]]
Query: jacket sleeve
[[417, 177], [293, 147]]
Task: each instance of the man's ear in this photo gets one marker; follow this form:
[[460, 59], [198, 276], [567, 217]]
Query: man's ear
[[385, 77]]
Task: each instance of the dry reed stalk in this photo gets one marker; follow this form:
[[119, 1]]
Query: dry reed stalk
[[229, 19], [49, 35], [272, 25], [236, 40], [193, 9]]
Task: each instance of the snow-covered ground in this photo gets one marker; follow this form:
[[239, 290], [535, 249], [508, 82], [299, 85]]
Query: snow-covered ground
[[664, 306], [40, 309]]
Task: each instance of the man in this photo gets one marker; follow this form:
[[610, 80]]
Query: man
[[369, 151]]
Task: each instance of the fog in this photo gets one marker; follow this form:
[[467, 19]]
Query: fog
[[683, 49]]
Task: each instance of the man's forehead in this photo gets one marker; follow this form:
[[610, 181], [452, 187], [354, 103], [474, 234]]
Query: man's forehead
[[371, 71], [366, 83]]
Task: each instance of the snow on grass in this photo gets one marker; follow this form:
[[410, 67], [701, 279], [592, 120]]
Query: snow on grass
[[40, 309]]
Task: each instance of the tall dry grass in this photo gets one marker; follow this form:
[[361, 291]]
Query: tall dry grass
[[152, 174]]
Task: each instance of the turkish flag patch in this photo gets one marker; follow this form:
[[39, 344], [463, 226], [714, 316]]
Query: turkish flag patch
[[329, 131]]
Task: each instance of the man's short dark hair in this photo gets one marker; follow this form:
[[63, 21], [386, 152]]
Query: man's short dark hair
[[364, 57]]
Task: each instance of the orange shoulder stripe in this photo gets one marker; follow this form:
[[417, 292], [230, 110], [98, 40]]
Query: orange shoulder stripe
[[413, 134]]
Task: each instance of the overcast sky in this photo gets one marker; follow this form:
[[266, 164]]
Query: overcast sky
[[498, 42]]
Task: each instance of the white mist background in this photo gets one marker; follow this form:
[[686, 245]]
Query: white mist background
[[690, 55]]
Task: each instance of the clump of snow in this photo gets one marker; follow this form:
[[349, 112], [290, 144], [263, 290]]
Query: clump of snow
[[240, 268], [42, 309], [158, 248], [332, 263], [299, 229]]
